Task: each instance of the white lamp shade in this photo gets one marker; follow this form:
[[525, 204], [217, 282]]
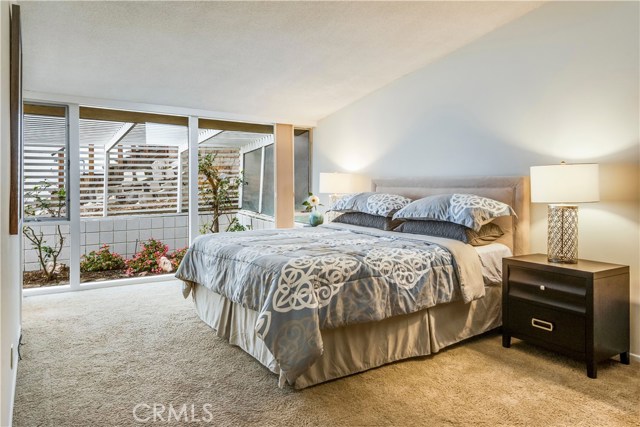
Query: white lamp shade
[[563, 183], [343, 183]]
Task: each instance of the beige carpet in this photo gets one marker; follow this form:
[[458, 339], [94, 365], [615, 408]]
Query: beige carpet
[[90, 357]]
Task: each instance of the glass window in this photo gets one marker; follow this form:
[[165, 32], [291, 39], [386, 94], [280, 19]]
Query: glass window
[[46, 162], [251, 174], [302, 182], [268, 187]]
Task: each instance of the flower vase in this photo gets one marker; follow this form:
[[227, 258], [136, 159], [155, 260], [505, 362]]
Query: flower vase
[[316, 218]]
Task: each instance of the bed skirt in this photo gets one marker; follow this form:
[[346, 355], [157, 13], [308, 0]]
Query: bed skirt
[[356, 348]]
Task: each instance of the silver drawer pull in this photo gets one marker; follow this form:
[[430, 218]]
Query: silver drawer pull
[[541, 324], [542, 288]]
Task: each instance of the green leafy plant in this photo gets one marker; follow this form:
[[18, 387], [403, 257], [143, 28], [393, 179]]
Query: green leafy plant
[[235, 225], [217, 191], [46, 200], [147, 259], [102, 260]]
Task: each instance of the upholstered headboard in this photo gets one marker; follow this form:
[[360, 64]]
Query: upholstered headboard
[[513, 190]]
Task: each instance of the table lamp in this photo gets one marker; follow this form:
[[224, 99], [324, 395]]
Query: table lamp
[[562, 186], [335, 184]]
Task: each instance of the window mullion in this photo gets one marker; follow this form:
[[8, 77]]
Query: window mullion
[[260, 193], [73, 151]]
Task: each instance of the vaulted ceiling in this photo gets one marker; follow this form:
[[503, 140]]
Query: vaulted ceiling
[[282, 61]]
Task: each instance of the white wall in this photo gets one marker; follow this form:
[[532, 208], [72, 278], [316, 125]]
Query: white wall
[[560, 83], [10, 294]]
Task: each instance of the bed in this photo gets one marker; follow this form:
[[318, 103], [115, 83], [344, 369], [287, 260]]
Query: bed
[[354, 339]]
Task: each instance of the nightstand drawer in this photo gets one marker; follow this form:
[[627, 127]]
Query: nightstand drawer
[[545, 324], [563, 291]]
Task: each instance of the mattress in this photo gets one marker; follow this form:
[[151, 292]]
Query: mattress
[[491, 260]]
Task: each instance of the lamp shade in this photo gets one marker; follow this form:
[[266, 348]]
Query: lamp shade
[[565, 183], [343, 183]]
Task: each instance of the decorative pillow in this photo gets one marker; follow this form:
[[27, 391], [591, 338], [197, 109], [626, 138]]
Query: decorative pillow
[[380, 204], [465, 209], [367, 220], [488, 233]]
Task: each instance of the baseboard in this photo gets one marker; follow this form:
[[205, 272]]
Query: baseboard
[[14, 383], [14, 379], [634, 357]]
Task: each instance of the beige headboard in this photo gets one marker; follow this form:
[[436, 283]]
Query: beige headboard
[[513, 190]]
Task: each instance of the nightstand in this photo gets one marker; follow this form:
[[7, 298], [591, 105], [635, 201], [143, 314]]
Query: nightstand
[[580, 310]]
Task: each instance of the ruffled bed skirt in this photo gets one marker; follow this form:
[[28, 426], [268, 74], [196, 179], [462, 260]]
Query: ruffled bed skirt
[[356, 348]]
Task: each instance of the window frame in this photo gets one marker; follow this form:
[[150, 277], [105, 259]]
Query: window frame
[[261, 145], [67, 168]]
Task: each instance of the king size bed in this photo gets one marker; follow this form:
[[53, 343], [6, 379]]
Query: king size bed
[[316, 304]]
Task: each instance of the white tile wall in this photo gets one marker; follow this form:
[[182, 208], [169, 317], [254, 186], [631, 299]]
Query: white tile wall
[[255, 221], [106, 225], [50, 234], [145, 234], [124, 235], [145, 223], [93, 226]]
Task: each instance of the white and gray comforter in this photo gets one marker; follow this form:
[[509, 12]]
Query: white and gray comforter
[[301, 281]]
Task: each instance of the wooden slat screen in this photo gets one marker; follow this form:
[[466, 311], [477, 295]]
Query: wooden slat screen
[[143, 179]]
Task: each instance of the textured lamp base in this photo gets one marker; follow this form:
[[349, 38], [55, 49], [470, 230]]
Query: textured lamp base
[[562, 240], [329, 216]]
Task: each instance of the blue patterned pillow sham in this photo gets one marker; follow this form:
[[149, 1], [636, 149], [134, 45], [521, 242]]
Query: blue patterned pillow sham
[[366, 220], [380, 204], [465, 209]]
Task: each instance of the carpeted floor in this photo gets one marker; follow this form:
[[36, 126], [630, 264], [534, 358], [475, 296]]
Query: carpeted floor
[[90, 357]]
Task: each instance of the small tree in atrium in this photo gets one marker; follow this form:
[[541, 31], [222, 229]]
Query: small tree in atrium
[[217, 192], [45, 200]]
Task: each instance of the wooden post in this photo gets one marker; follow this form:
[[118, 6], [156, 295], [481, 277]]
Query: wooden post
[[91, 160], [284, 176], [15, 101]]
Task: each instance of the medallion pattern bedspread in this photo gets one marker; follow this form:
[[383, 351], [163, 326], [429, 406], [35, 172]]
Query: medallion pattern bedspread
[[303, 280]]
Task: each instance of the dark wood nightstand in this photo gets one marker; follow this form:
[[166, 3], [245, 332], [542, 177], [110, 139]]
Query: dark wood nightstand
[[580, 310]]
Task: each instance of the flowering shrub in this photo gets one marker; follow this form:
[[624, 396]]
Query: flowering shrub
[[101, 260], [147, 258], [176, 257]]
